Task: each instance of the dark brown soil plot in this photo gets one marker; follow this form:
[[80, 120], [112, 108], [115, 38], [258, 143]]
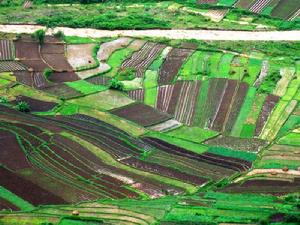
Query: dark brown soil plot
[[137, 95], [63, 91], [63, 77], [206, 1], [141, 114], [36, 64], [6, 50], [39, 80], [27, 50], [189, 45], [269, 105], [164, 171], [236, 106], [36, 105], [57, 61], [27, 190], [247, 144], [171, 107], [11, 154], [224, 107], [99, 80], [172, 65], [6, 205], [274, 187]]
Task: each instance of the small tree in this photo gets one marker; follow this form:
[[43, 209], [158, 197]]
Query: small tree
[[23, 106], [60, 35], [47, 73], [116, 84], [39, 35]]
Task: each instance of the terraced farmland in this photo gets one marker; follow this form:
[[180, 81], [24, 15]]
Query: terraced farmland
[[148, 131]]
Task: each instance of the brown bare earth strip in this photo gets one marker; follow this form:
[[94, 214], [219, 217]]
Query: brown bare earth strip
[[174, 98], [25, 189], [236, 106], [269, 105], [172, 65], [219, 121]]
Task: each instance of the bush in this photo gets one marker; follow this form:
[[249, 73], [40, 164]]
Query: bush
[[3, 99], [23, 107], [47, 73], [60, 35], [116, 84], [39, 35], [126, 74]]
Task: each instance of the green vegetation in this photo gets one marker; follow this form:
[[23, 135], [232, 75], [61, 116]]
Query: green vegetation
[[14, 199], [233, 153], [39, 35], [85, 87], [23, 106], [47, 73]]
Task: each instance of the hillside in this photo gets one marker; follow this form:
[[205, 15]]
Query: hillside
[[169, 112]]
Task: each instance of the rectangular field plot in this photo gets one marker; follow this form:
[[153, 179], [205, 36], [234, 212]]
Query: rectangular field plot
[[141, 114], [7, 50]]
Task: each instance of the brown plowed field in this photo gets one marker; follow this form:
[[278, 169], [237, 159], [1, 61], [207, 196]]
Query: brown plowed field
[[172, 65], [268, 106], [141, 114]]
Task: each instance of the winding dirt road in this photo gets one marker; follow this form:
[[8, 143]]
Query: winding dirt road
[[173, 34]]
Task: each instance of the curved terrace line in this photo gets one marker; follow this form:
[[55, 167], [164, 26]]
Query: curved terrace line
[[174, 34]]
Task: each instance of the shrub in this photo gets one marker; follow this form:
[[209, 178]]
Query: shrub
[[47, 73], [126, 74], [23, 106], [60, 35], [39, 35], [116, 84], [3, 99]]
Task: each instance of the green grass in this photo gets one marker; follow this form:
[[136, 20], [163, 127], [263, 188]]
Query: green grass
[[277, 164], [194, 68], [68, 109], [193, 134], [292, 123], [150, 86], [14, 199], [214, 62], [85, 87], [116, 59], [226, 2], [249, 156], [192, 146]]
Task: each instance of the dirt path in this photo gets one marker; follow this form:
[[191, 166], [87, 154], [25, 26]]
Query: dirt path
[[174, 34]]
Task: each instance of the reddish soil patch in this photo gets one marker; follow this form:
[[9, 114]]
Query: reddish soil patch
[[36, 105], [27, 190], [189, 45], [27, 50], [141, 114], [11, 154], [36, 64], [269, 105], [50, 48], [274, 187], [63, 77], [172, 65], [220, 118]]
